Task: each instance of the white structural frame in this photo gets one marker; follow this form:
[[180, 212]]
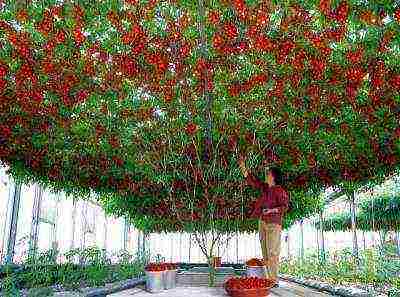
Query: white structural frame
[[12, 222]]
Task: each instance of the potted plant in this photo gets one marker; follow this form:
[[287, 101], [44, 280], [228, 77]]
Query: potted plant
[[155, 277], [248, 287], [170, 276], [255, 267]]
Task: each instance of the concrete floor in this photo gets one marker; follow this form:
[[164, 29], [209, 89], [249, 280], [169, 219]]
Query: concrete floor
[[285, 290]]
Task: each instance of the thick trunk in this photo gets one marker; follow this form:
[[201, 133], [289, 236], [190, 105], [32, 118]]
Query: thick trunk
[[208, 252], [211, 272]]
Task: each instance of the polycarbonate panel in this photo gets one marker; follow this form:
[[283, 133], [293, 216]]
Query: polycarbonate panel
[[24, 222], [6, 190]]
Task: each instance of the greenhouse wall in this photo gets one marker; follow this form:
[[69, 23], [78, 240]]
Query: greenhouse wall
[[65, 224]]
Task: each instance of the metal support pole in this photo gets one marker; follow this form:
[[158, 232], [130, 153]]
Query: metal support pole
[[322, 223], [13, 221], [105, 227], [172, 249], [398, 242], [146, 244], [72, 244], [54, 242], [83, 225], [354, 225], [139, 242], [180, 247], [318, 243], [125, 235], [237, 248], [37, 203], [288, 244], [301, 240], [227, 249], [364, 241], [190, 246], [3, 231]]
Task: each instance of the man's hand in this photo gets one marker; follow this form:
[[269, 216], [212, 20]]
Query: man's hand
[[270, 211]]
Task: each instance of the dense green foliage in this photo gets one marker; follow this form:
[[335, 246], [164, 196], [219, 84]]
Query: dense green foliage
[[150, 103], [377, 213], [90, 267], [377, 269]]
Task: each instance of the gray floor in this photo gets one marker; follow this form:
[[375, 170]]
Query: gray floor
[[285, 290]]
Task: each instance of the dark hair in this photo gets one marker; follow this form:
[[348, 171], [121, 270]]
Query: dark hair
[[277, 174]]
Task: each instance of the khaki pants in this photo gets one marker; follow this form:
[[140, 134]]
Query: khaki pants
[[270, 238]]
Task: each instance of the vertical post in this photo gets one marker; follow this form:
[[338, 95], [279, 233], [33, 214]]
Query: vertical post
[[180, 248], [146, 244], [322, 224], [72, 244], [364, 241], [398, 242], [3, 231], [83, 225], [288, 244], [12, 223], [54, 242], [105, 228], [354, 225], [227, 249], [139, 241], [190, 245], [33, 237], [172, 249], [301, 241], [125, 235], [318, 242], [237, 248]]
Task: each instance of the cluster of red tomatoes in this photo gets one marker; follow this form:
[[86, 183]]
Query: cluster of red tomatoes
[[397, 15], [258, 79], [161, 266], [255, 262], [339, 14], [3, 72], [248, 283]]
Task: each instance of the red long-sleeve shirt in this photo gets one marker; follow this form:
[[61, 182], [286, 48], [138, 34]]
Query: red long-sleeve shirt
[[271, 197]]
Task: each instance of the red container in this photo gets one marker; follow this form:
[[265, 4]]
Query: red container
[[240, 287], [262, 292]]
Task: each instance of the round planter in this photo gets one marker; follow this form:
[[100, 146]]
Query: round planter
[[248, 292], [257, 271], [154, 281], [169, 279]]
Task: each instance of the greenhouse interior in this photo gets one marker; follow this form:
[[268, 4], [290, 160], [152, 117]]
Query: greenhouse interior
[[200, 148]]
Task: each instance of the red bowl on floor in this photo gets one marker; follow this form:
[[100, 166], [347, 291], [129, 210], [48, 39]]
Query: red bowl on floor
[[248, 292]]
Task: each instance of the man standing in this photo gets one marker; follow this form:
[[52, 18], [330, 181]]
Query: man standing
[[270, 209]]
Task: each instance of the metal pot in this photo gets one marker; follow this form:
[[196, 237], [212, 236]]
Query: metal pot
[[154, 281], [169, 279], [257, 271]]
